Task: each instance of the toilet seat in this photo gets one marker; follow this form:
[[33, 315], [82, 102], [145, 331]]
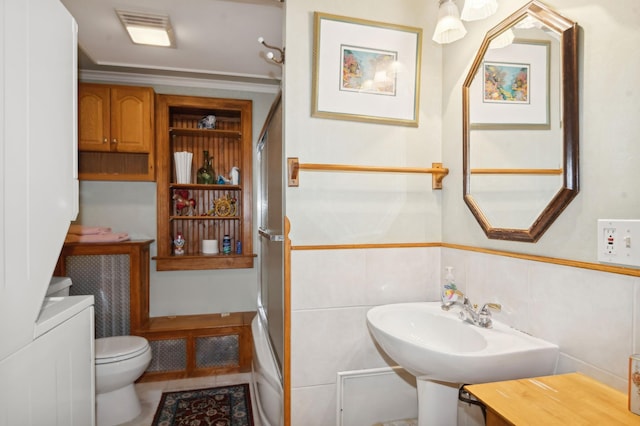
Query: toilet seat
[[119, 348]]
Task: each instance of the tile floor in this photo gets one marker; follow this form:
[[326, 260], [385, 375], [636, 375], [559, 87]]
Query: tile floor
[[151, 392]]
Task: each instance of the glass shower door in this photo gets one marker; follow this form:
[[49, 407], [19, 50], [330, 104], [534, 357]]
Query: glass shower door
[[270, 229]]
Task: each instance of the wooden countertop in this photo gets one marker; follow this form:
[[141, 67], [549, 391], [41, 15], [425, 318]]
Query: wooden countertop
[[109, 243], [566, 399]]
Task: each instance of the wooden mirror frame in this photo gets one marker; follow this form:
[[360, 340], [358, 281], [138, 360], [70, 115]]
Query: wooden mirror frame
[[568, 31]]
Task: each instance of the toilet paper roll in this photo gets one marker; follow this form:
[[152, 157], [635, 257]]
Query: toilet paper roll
[[209, 247]]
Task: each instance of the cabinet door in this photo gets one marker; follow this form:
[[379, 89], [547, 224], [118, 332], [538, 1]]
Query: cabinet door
[[38, 134], [51, 381], [131, 122], [93, 118]]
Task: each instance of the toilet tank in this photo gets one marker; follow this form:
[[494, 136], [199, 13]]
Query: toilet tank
[[59, 286]]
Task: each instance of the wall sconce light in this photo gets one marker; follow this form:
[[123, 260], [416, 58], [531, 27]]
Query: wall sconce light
[[270, 55], [449, 27], [147, 28], [474, 10]]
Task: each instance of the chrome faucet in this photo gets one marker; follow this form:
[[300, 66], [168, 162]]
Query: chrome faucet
[[470, 313]]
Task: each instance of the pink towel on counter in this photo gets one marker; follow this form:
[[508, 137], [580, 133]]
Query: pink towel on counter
[[88, 230], [97, 238]]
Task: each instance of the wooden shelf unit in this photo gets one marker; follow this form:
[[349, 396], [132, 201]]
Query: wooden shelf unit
[[230, 145]]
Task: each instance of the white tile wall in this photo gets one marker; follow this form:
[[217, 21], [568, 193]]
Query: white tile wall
[[328, 278], [314, 405], [331, 292], [328, 341], [591, 315], [355, 277]]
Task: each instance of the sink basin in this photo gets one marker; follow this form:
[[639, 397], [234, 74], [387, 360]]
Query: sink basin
[[436, 345]]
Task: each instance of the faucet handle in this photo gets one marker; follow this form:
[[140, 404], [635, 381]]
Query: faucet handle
[[495, 306], [484, 316]]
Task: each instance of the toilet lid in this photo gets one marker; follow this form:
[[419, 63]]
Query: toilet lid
[[119, 348]]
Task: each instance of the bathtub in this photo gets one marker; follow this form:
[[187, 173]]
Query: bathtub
[[267, 387]]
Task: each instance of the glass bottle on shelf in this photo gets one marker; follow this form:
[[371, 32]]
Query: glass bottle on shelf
[[206, 174]]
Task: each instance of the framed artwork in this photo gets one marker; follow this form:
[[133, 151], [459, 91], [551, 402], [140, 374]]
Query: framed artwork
[[505, 83], [511, 89], [365, 70]]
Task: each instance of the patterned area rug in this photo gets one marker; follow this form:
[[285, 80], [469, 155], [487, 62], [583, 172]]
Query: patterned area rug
[[220, 406]]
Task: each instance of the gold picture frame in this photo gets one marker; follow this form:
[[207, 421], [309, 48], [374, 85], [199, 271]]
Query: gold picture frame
[[365, 70]]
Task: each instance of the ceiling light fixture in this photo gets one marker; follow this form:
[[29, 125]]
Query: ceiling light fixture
[[474, 10], [147, 28], [449, 27]]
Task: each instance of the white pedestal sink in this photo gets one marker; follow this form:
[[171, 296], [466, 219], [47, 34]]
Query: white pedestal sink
[[444, 352]]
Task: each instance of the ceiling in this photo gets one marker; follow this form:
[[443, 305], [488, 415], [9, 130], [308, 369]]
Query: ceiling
[[215, 39]]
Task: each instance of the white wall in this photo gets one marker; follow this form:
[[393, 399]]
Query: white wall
[[569, 306], [333, 289], [333, 208], [591, 315], [131, 207], [609, 125]]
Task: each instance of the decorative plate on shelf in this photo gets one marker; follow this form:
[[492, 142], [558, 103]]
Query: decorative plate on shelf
[[224, 207]]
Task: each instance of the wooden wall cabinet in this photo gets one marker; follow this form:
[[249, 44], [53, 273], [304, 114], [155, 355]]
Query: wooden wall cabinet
[[115, 132], [230, 145]]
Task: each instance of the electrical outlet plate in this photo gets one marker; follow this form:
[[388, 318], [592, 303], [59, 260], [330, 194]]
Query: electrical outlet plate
[[619, 241]]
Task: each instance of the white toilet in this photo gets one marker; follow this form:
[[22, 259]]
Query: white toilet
[[120, 361]]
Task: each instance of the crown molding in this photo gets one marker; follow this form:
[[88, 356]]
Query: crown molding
[[151, 79]]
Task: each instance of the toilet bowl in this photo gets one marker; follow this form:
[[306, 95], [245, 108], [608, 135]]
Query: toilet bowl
[[120, 360], [58, 287]]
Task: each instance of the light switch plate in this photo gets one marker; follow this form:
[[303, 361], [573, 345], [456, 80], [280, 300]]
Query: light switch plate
[[619, 241]]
